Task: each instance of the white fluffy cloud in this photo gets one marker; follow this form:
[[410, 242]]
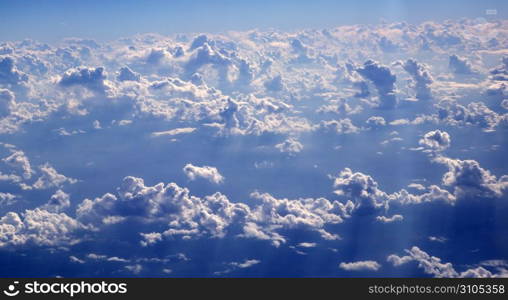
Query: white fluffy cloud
[[469, 179], [58, 202], [364, 265], [189, 216], [459, 65], [290, 146], [394, 218], [256, 90], [38, 227], [51, 178], [7, 102], [421, 76], [384, 81], [436, 140], [362, 189], [93, 79], [434, 266], [19, 162]]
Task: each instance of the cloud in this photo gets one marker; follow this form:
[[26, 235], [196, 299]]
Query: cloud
[[51, 178], [19, 162], [274, 84], [307, 245], [257, 93], [156, 56], [360, 188], [232, 266], [421, 76], [375, 122], [134, 269], [434, 266], [126, 74], [475, 113], [175, 131], [199, 41], [341, 126], [501, 72], [10, 76], [7, 102], [366, 265], [93, 79], [187, 215], [311, 214], [214, 215], [504, 104], [209, 173], [384, 81], [7, 199], [460, 66], [245, 73], [58, 202], [206, 55], [366, 198], [436, 140], [469, 179], [394, 218], [38, 227], [290, 146], [150, 238]]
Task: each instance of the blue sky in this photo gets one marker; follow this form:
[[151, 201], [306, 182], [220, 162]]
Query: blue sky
[[189, 139], [51, 19]]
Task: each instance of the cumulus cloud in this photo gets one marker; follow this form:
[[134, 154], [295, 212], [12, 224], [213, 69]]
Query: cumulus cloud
[[10, 76], [269, 90], [501, 72], [384, 81], [375, 122], [366, 198], [421, 76], [19, 162], [274, 84], [434, 266], [206, 55], [365, 265], [459, 65], [469, 179], [360, 188], [189, 216], [7, 199], [475, 113], [51, 178], [126, 74], [209, 173], [394, 218], [7, 102], [436, 140], [312, 214], [93, 79], [39, 227], [58, 202], [150, 238], [290, 146], [342, 126]]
